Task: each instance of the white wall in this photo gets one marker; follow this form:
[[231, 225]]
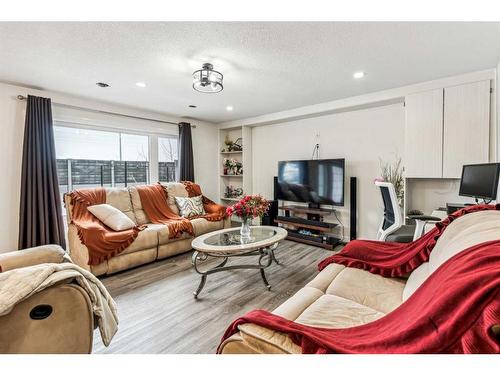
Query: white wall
[[11, 142], [428, 195], [361, 137], [498, 110]]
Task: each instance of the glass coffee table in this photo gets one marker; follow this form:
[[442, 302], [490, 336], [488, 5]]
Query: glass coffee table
[[227, 243]]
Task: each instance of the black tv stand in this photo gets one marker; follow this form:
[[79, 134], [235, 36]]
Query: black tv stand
[[318, 231]]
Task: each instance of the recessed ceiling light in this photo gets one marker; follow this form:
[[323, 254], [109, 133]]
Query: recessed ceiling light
[[140, 84], [102, 84], [192, 106], [229, 108], [358, 75]]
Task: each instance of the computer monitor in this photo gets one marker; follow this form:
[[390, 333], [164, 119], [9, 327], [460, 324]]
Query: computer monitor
[[480, 181]]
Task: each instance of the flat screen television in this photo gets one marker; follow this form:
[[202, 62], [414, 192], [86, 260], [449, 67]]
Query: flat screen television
[[480, 181], [315, 182]]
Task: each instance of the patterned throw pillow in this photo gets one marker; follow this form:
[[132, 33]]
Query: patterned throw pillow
[[189, 207]]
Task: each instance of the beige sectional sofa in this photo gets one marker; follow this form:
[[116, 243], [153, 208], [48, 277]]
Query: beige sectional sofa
[[152, 243], [341, 297]]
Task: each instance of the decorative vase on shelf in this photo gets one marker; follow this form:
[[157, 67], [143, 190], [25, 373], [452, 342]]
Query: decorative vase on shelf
[[245, 229]]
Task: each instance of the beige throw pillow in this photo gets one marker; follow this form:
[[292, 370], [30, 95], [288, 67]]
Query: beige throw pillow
[[189, 207], [111, 216]]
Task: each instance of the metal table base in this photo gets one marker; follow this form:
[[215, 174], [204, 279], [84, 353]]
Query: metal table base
[[265, 254]]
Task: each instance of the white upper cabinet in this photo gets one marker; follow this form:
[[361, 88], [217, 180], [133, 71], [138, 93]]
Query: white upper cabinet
[[466, 126], [424, 134], [447, 128]]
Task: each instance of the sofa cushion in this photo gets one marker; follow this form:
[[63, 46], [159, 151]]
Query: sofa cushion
[[323, 279], [147, 239], [120, 199], [111, 216], [332, 311], [295, 305], [162, 233], [189, 207], [139, 213], [202, 226], [374, 291], [175, 189]]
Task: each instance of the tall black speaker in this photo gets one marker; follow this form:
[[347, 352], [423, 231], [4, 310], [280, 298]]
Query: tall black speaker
[[275, 188], [354, 208], [270, 216]]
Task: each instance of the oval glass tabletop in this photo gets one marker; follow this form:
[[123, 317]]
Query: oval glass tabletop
[[229, 240], [232, 237]]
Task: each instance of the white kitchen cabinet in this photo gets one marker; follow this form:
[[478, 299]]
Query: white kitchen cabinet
[[447, 128], [424, 134], [466, 127]]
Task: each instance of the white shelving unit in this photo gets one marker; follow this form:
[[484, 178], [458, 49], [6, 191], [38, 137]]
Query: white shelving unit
[[230, 199], [244, 180]]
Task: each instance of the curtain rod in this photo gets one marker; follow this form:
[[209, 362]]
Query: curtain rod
[[21, 97]]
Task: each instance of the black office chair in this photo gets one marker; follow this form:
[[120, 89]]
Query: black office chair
[[392, 228]]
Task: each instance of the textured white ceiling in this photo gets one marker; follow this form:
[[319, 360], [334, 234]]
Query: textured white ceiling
[[267, 67]]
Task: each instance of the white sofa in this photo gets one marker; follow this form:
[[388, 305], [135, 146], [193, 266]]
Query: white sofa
[[341, 297]]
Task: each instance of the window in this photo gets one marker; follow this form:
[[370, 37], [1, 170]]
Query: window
[[90, 158], [167, 158]]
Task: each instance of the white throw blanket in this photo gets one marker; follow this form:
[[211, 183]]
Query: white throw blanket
[[18, 284]]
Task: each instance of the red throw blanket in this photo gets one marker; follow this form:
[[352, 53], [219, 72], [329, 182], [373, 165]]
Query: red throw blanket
[[392, 259], [155, 205], [453, 311], [103, 242]]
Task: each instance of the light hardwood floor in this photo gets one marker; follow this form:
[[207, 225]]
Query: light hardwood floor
[[158, 313]]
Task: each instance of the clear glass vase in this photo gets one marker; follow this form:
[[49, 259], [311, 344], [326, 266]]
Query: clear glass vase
[[245, 229]]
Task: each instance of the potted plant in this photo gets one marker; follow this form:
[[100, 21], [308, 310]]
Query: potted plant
[[394, 173], [248, 208], [227, 165]]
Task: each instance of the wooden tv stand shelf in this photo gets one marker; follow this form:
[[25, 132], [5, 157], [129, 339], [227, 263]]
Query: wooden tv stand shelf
[[307, 210], [318, 231]]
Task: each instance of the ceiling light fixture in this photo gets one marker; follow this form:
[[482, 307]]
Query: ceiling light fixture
[[229, 108], [358, 75], [102, 84], [192, 106], [207, 79], [140, 84]]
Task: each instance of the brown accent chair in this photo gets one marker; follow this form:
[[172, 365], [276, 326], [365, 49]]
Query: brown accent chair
[[58, 319], [151, 244]]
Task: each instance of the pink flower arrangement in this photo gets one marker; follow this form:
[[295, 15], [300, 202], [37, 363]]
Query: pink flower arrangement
[[250, 206]]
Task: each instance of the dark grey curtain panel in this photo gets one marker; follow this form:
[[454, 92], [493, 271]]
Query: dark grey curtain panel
[[40, 220], [186, 163]]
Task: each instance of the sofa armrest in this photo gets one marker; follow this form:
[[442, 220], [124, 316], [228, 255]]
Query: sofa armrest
[[33, 256]]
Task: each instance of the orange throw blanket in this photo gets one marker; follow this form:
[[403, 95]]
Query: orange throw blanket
[[214, 211], [103, 242], [155, 204]]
